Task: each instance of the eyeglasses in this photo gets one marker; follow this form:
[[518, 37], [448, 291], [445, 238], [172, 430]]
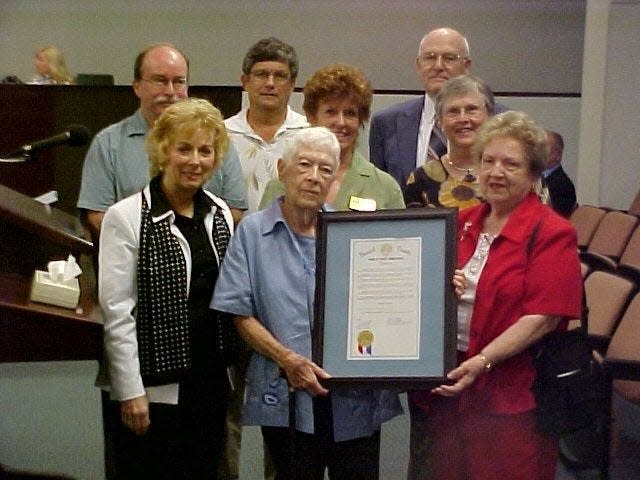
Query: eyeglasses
[[429, 59], [470, 111], [179, 83], [279, 77]]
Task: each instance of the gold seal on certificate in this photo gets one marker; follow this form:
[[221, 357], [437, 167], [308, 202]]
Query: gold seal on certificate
[[386, 249], [365, 340]]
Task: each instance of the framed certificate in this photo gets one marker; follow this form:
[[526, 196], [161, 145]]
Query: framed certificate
[[385, 306]]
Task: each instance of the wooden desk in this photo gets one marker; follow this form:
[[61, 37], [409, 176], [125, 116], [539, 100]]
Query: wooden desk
[[31, 235], [36, 332]]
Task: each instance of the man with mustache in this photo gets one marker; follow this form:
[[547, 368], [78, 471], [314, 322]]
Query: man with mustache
[[116, 165], [404, 135]]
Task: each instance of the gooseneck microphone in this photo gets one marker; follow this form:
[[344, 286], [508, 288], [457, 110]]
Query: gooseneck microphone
[[74, 135]]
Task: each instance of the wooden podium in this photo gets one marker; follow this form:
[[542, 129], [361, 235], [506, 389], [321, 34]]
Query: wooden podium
[[31, 235]]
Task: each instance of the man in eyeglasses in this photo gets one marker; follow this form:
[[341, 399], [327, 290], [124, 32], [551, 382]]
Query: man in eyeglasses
[[116, 165], [269, 72], [404, 136], [258, 131]]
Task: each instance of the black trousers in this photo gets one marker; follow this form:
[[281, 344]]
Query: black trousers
[[302, 456], [184, 441]]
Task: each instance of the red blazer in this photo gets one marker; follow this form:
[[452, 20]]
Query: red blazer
[[516, 281]]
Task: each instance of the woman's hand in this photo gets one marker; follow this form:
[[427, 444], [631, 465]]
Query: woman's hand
[[302, 373], [135, 414], [464, 375], [459, 282]]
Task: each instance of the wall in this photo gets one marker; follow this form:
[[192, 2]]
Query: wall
[[517, 46], [620, 158]]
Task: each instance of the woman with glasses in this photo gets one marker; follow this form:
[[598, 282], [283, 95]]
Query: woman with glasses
[[462, 106], [166, 351], [339, 97], [518, 280]]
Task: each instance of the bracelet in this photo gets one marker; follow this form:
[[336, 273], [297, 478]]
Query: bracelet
[[487, 363]]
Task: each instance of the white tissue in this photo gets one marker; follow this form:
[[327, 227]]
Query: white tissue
[[71, 268], [62, 271], [58, 285]]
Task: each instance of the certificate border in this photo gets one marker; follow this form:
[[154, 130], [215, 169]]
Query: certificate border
[[386, 222]]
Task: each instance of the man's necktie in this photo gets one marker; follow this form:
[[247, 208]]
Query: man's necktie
[[437, 144]]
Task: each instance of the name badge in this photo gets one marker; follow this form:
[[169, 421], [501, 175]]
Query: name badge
[[362, 204]]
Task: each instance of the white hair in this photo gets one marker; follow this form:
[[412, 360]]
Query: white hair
[[315, 137]]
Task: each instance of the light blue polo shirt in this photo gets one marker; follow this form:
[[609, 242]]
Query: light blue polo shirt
[[117, 166]]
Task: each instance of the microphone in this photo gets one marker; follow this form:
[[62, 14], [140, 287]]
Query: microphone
[[75, 135]]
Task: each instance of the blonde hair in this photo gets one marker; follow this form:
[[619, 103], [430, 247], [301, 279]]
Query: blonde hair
[[58, 71], [183, 119]]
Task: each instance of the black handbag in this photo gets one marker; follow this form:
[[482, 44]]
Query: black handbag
[[570, 388]]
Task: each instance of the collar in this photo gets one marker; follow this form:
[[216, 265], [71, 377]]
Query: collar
[[549, 171], [239, 124], [528, 212], [137, 126], [523, 218], [360, 165], [428, 110], [272, 216], [160, 206]]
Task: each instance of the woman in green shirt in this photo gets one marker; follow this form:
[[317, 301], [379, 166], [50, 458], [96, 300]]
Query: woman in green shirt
[[338, 97]]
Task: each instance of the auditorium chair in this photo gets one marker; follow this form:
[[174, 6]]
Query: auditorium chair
[[607, 297], [622, 363], [585, 219], [609, 240], [629, 264]]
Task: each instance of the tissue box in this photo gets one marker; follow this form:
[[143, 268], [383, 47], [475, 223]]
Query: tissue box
[[62, 294]]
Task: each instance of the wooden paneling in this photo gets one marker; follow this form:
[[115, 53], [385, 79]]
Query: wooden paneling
[[34, 112]]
